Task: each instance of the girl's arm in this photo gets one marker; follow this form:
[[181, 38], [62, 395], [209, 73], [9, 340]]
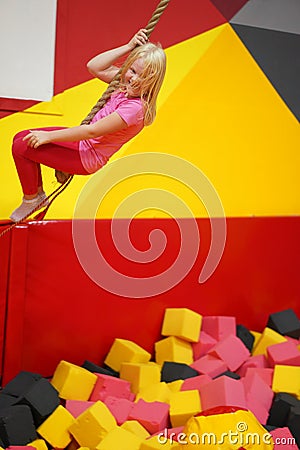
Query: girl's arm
[[101, 66], [109, 124]]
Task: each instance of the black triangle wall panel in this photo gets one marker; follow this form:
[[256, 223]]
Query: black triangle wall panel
[[278, 55]]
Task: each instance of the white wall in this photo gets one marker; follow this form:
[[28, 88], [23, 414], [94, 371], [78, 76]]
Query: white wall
[[27, 49]]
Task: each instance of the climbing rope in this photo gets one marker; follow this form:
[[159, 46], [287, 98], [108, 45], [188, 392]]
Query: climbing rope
[[114, 84]]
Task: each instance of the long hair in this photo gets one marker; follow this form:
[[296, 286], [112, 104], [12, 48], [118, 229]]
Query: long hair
[[151, 77]]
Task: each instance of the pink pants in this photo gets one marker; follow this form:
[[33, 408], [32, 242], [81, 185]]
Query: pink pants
[[63, 156]]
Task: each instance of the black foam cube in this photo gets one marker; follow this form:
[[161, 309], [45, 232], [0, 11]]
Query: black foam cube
[[42, 398], [229, 374], [92, 367], [21, 383], [270, 427], [7, 400], [294, 423], [280, 409], [172, 371], [285, 322], [245, 336], [16, 426], [111, 371]]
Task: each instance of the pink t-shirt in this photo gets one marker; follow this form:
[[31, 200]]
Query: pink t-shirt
[[96, 152]]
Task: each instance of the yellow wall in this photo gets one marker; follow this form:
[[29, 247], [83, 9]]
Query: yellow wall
[[217, 110]]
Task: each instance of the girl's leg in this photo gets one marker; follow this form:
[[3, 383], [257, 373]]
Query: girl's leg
[[18, 145], [62, 156]]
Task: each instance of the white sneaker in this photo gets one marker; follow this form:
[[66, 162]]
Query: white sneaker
[[28, 206], [42, 196]]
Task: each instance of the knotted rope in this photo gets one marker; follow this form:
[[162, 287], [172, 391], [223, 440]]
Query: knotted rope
[[114, 84]]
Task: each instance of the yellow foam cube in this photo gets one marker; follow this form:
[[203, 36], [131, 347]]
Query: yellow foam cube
[[123, 351], [257, 337], [183, 405], [39, 444], [173, 349], [268, 337], [183, 323], [136, 428], [140, 375], [120, 439], [158, 392], [175, 386], [228, 431], [55, 429], [91, 426], [286, 379], [73, 382]]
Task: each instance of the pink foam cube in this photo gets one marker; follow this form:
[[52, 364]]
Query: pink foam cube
[[209, 365], [107, 385], [258, 409], [119, 407], [254, 361], [223, 391], [76, 407], [154, 416], [195, 382], [290, 339], [283, 439], [205, 343], [20, 447], [265, 373], [256, 387], [285, 353], [219, 327], [232, 351]]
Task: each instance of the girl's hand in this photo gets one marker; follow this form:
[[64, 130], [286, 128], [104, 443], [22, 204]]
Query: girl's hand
[[140, 38], [36, 138]]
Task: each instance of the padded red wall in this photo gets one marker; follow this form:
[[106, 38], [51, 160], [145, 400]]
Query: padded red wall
[[5, 242], [54, 311]]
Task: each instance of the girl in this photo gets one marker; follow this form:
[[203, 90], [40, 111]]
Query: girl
[[84, 149]]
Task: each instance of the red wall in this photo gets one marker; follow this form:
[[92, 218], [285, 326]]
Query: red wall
[[5, 245], [54, 311]]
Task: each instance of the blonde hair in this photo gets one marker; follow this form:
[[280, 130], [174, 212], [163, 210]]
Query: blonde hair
[[151, 77]]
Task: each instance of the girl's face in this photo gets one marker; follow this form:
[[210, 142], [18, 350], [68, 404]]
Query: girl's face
[[131, 78]]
